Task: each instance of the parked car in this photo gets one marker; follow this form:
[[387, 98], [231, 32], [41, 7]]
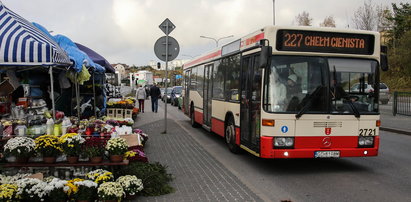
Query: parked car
[[175, 94], [167, 96], [162, 92], [384, 91]]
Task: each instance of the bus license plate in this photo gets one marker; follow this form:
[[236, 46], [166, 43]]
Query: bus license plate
[[327, 154]]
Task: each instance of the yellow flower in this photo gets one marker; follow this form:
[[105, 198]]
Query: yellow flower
[[130, 154], [104, 177], [8, 191], [72, 187]]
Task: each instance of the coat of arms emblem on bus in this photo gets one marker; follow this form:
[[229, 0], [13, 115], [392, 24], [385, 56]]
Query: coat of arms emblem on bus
[[327, 131]]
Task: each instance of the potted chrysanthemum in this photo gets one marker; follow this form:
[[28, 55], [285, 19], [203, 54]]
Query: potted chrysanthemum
[[116, 147], [57, 189], [20, 147], [86, 190], [31, 189], [8, 192], [71, 144], [49, 146], [131, 185], [94, 149], [110, 191], [99, 176]]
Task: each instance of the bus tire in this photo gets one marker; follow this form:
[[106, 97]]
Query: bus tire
[[193, 122], [230, 137]]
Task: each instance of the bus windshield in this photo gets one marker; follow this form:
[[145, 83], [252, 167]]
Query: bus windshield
[[300, 84]]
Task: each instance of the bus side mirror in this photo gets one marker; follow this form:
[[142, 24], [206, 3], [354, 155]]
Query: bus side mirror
[[384, 58], [384, 62], [265, 55]]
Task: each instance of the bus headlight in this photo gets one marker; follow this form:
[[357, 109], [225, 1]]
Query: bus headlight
[[365, 141], [283, 142]]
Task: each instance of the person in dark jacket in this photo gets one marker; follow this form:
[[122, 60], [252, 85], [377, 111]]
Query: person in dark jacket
[[155, 93]]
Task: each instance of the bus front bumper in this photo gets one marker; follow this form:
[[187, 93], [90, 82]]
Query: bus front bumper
[[267, 151]]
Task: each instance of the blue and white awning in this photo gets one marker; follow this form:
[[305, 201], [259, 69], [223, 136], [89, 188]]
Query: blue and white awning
[[21, 43]]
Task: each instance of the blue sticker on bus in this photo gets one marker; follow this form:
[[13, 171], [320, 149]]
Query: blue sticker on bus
[[284, 129]]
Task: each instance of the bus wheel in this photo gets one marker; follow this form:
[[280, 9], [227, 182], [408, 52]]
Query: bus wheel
[[194, 124], [230, 137]]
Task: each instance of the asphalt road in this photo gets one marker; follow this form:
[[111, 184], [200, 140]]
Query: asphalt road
[[386, 177]]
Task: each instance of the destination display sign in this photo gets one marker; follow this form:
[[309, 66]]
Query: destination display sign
[[327, 42]]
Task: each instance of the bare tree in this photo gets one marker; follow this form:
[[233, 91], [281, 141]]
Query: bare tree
[[383, 15], [328, 22], [304, 19], [365, 17]]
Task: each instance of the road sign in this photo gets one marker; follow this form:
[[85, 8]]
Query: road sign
[[167, 23], [160, 48]]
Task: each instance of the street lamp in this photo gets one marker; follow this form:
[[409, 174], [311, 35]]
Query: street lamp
[[273, 12], [216, 40]]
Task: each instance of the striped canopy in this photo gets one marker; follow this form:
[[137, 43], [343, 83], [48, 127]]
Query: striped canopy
[[22, 44]]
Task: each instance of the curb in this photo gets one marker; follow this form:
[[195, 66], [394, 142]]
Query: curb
[[396, 130]]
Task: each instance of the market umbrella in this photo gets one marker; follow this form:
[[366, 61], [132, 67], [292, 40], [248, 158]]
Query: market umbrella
[[97, 58], [23, 44]]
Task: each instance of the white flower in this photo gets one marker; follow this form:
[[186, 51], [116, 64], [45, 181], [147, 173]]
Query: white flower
[[86, 183], [116, 142], [110, 189], [56, 183], [32, 187], [12, 179], [18, 143], [131, 184]]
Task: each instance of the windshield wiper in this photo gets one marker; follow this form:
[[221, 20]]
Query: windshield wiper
[[354, 109], [309, 101]]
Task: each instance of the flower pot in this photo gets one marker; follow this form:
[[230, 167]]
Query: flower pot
[[116, 158], [109, 200], [72, 159], [22, 159], [49, 159], [96, 159], [130, 197]]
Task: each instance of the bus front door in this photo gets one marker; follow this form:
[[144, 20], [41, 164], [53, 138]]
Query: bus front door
[[186, 96], [207, 95], [250, 109]]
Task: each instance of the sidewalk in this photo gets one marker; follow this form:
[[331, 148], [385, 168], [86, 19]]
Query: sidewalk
[[197, 175], [397, 124]]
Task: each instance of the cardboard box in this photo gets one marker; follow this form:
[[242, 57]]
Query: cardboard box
[[6, 88]]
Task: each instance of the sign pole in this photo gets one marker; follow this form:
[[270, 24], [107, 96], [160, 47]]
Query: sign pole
[[171, 52], [165, 90]]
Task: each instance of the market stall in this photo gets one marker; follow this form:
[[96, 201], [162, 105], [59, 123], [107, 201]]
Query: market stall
[[26, 49], [101, 78], [42, 148]]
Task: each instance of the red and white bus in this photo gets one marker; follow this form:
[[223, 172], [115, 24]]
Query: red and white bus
[[290, 92]]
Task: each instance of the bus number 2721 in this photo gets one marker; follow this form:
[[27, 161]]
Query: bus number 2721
[[367, 132]]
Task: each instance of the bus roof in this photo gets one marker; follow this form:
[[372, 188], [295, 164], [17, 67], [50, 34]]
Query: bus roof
[[270, 33]]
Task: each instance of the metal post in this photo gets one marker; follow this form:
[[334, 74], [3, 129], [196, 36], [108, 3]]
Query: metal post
[[165, 90], [77, 88], [53, 104], [394, 104], [94, 94]]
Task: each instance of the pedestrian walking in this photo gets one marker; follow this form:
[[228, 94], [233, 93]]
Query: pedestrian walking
[[141, 96], [147, 88], [155, 93]]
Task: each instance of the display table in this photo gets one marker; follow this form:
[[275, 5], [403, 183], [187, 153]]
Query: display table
[[65, 164]]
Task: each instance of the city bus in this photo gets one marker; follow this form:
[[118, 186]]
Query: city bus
[[290, 92]]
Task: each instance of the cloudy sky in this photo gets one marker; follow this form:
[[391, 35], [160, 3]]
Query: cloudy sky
[[124, 31]]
